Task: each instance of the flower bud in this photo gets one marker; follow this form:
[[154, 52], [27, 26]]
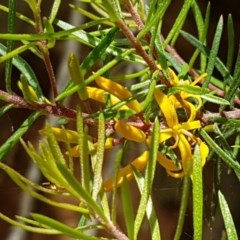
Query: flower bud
[[129, 132], [62, 135], [119, 91]]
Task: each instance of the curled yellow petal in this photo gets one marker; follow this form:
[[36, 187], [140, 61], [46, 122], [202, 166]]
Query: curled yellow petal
[[174, 78], [191, 125], [129, 132], [177, 174], [185, 152], [167, 108], [108, 143], [197, 80], [119, 91], [98, 95], [75, 151], [139, 163], [166, 163], [204, 150], [62, 135]]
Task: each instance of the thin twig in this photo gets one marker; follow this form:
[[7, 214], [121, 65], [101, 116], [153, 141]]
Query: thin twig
[[58, 110], [112, 229], [45, 52]]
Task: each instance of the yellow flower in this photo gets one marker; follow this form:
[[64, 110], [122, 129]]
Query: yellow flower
[[180, 132], [177, 135]]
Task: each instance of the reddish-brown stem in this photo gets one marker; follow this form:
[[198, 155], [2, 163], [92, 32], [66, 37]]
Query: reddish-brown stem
[[112, 229], [208, 118], [58, 110], [48, 64], [44, 50], [140, 50], [128, 5], [138, 46]]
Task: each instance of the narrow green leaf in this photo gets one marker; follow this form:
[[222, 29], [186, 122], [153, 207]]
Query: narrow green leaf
[[10, 43], [150, 212], [183, 206], [97, 168], [54, 10], [222, 140], [203, 59], [46, 162], [218, 63], [32, 5], [189, 89], [198, 18], [232, 123], [197, 194], [234, 84], [54, 146], [14, 138], [63, 228], [17, 51], [83, 148], [214, 51], [231, 43], [26, 227], [150, 171], [96, 19], [113, 9], [114, 200], [221, 153], [5, 108], [178, 23], [77, 75], [105, 205], [227, 218], [215, 99], [161, 54], [127, 208], [154, 18], [150, 95], [33, 189], [19, 15], [200, 27], [48, 28], [82, 193], [26, 70], [98, 51], [92, 41]]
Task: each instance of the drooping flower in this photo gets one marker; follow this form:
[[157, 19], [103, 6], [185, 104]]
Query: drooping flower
[[180, 132]]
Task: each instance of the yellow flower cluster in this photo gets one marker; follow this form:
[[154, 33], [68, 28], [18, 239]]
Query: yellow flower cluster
[[177, 133]]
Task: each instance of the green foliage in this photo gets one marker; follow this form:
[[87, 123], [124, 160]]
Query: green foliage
[[179, 116]]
